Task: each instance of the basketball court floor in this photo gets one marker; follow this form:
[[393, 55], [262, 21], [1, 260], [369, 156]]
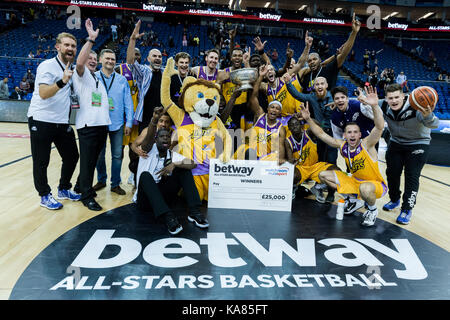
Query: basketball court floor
[[122, 254]]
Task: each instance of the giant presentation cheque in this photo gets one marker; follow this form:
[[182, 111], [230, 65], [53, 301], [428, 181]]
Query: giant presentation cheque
[[252, 185]]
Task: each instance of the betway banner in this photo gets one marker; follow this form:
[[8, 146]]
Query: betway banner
[[211, 12]]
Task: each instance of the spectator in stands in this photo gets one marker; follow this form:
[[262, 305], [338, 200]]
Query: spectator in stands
[[48, 120], [274, 55], [440, 77], [17, 94], [24, 86], [114, 32], [30, 77], [31, 55], [352, 56], [407, 150], [402, 81], [366, 56], [148, 79], [4, 90], [196, 41]]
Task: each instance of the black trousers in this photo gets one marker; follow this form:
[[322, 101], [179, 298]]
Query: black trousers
[[92, 140], [410, 159], [324, 151], [155, 197], [42, 135]]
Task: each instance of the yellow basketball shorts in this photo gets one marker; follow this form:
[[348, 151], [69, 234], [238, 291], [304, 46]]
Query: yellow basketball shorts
[[202, 184], [312, 172], [133, 135], [350, 185]]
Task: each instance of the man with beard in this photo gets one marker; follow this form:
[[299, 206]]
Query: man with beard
[[148, 79], [330, 71], [241, 117], [365, 181], [210, 71], [92, 118], [319, 101], [182, 61], [48, 121]]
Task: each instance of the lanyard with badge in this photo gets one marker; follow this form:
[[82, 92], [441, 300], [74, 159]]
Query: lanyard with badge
[[96, 100], [74, 101], [110, 100], [301, 146]]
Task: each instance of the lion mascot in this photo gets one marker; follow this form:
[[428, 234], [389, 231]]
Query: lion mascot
[[200, 132]]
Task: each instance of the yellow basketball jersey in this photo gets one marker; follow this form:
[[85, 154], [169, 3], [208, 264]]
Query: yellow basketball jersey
[[228, 88], [290, 105], [362, 167], [304, 151], [264, 137]]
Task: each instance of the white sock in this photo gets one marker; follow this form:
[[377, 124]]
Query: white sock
[[372, 208]]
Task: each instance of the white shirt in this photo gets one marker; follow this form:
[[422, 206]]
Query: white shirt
[[401, 78], [88, 115], [54, 109], [153, 163], [114, 28]]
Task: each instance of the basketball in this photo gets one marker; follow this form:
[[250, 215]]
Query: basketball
[[423, 96]]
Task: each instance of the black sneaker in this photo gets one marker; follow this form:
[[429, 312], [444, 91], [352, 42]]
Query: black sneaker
[[352, 206], [199, 220], [173, 225]]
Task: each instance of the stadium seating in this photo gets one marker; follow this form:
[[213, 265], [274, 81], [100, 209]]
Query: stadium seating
[[14, 52]]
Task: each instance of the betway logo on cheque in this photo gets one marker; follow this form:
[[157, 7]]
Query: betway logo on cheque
[[232, 170]]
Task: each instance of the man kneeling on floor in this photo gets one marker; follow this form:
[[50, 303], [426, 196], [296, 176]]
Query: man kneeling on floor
[[361, 157], [160, 176]]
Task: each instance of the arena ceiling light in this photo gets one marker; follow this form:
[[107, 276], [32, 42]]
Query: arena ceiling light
[[390, 15], [302, 7], [426, 16], [338, 9], [267, 4]]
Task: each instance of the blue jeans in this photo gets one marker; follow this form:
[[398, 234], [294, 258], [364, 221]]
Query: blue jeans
[[115, 138]]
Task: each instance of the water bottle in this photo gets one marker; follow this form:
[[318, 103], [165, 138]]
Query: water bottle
[[340, 209]]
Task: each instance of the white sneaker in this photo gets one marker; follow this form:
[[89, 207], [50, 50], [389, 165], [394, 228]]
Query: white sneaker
[[131, 179], [352, 205], [369, 217]]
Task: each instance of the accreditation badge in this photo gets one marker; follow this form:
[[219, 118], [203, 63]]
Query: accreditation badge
[[96, 99], [111, 104]]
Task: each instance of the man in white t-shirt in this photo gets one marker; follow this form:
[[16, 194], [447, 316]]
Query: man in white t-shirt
[[92, 118], [48, 122], [160, 176]]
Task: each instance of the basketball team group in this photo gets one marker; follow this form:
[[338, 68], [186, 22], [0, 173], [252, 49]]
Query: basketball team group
[[175, 119]]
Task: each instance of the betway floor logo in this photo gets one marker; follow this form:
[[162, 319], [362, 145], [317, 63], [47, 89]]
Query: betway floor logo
[[160, 253], [269, 16]]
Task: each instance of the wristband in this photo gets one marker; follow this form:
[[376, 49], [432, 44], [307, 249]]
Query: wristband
[[60, 83], [91, 41], [261, 52]]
